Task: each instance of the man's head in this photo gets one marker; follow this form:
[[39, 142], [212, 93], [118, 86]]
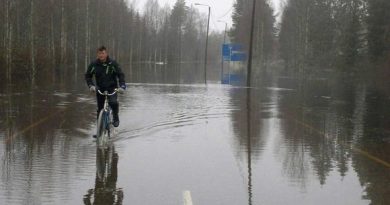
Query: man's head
[[102, 54]]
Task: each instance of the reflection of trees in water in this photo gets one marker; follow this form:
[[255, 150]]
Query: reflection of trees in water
[[371, 136], [247, 121], [318, 127], [44, 113], [295, 162], [325, 126], [7, 127], [105, 191], [246, 125], [38, 128]]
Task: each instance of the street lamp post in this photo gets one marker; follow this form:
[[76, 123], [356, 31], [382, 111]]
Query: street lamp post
[[207, 42], [224, 41]]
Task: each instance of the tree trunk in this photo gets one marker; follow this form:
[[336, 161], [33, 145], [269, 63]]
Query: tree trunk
[[131, 60], [8, 41], [98, 21], [131, 55], [52, 45], [32, 43], [76, 46], [87, 36], [139, 59], [63, 34]]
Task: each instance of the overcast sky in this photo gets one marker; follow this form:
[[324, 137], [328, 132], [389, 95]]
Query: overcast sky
[[220, 9]]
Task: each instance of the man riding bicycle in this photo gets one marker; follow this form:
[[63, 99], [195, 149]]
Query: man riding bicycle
[[107, 73]]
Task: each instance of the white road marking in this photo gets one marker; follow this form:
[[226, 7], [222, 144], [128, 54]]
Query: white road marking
[[187, 198]]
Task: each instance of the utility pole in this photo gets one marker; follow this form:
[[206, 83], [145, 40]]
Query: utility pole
[[249, 74], [207, 42], [224, 42]]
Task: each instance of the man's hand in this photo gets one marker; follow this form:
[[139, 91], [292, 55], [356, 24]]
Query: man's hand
[[122, 88], [92, 89]]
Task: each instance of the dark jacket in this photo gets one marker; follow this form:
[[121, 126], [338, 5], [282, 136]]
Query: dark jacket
[[106, 74]]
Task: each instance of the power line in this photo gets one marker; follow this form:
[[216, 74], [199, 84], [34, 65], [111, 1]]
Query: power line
[[215, 24], [231, 8]]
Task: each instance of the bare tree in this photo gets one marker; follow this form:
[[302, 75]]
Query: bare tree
[[56, 37], [32, 43], [87, 34], [8, 40]]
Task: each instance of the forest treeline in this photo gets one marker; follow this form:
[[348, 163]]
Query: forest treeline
[[264, 38], [50, 40], [344, 35], [350, 36]]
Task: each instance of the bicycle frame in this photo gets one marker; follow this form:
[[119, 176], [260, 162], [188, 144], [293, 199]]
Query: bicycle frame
[[104, 120]]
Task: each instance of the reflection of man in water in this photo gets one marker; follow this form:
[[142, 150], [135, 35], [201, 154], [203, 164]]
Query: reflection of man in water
[[105, 192]]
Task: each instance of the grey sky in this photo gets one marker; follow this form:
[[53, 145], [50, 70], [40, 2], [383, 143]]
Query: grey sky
[[220, 10]]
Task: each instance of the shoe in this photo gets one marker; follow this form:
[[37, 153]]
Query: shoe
[[116, 121], [94, 136]]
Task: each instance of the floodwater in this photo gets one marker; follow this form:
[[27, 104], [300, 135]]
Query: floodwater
[[318, 142]]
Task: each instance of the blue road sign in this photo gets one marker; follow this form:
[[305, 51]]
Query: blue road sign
[[238, 57], [236, 47], [233, 52], [225, 50]]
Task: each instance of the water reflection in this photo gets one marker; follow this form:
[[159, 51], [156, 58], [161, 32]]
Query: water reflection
[[176, 73], [315, 142], [371, 123], [247, 115], [246, 118], [319, 129], [41, 136], [327, 127], [105, 191], [319, 136]]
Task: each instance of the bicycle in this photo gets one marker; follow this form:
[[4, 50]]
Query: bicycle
[[104, 122]]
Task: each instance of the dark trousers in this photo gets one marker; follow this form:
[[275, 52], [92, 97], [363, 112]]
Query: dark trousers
[[112, 101]]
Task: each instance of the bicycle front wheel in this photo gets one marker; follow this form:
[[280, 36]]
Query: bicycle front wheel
[[102, 132]]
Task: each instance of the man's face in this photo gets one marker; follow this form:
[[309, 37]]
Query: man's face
[[102, 55]]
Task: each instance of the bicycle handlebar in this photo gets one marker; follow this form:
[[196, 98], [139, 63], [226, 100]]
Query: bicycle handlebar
[[108, 94]]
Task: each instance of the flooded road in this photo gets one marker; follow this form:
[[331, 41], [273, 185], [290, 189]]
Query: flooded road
[[284, 143]]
